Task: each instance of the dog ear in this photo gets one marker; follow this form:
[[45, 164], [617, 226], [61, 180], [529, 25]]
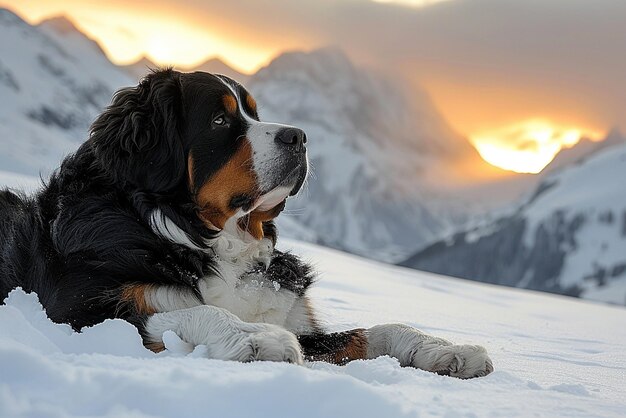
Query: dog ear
[[137, 140]]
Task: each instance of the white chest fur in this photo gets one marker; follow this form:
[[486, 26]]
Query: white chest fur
[[234, 285], [249, 295]]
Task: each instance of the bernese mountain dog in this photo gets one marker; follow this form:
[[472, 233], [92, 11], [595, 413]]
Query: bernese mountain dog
[[164, 218]]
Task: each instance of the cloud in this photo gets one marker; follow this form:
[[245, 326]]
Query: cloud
[[487, 63], [484, 60]]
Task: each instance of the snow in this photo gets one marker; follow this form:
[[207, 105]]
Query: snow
[[554, 356], [568, 235], [52, 85], [590, 190]]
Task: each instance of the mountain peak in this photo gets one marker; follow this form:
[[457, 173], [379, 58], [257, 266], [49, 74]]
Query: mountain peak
[[145, 61], [63, 28], [216, 65], [60, 24], [139, 68], [8, 16], [583, 149], [320, 63]]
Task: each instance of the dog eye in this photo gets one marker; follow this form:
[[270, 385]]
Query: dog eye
[[220, 120]]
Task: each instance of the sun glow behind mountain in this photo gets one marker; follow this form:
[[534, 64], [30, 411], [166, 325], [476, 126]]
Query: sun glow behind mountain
[[165, 35], [177, 34], [528, 146]]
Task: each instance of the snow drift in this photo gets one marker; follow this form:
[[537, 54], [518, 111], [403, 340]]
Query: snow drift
[[553, 356]]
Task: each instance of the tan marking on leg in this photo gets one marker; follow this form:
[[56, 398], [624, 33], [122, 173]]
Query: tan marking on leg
[[230, 103], [236, 177], [157, 347], [135, 295], [356, 349]]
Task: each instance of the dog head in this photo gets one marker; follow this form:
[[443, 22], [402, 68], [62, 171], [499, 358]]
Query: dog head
[[201, 132]]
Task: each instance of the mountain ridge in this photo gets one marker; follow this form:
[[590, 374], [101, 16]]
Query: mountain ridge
[[568, 236]]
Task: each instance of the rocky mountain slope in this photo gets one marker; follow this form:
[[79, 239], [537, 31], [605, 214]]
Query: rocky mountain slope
[[568, 237], [53, 84]]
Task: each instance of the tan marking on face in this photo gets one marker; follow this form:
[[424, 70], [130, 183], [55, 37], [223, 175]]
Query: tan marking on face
[[251, 102], [230, 103], [253, 223], [236, 177], [356, 349], [135, 295]]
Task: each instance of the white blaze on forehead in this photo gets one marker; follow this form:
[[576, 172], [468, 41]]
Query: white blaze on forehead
[[261, 136]]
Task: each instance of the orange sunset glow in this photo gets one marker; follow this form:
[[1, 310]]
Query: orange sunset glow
[[166, 35], [513, 126], [528, 146]]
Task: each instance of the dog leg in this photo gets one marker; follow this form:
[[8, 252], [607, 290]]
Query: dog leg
[[410, 346], [336, 348], [225, 335], [414, 348]]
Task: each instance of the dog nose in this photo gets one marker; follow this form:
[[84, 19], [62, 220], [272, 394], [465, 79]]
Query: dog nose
[[292, 136]]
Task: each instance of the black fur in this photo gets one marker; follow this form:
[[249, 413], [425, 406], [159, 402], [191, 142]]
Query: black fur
[[86, 234], [290, 273]]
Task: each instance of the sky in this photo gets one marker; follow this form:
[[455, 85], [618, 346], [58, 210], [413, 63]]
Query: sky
[[519, 78]]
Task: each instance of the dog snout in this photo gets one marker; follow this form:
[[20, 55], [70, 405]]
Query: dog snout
[[293, 137]]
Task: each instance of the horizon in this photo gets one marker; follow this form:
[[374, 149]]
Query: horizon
[[515, 127]]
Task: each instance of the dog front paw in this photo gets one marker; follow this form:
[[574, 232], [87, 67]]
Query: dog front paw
[[270, 343]]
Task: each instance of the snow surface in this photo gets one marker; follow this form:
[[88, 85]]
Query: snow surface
[[554, 356]]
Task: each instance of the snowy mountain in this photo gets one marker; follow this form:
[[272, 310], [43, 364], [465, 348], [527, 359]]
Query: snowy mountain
[[553, 357], [568, 237], [583, 149], [214, 65], [217, 66], [65, 32], [139, 68], [374, 151], [53, 82]]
